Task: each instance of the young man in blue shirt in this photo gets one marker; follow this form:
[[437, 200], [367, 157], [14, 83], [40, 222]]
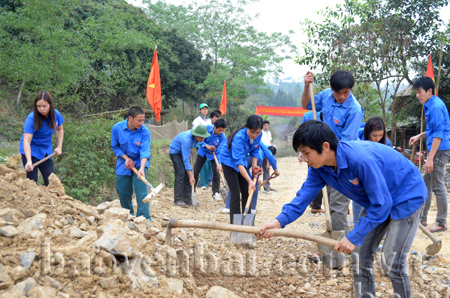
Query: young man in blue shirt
[[438, 145], [130, 141], [343, 114], [205, 152], [180, 154], [368, 173]]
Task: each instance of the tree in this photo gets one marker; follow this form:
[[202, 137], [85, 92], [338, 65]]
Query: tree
[[377, 40], [93, 55], [220, 29]]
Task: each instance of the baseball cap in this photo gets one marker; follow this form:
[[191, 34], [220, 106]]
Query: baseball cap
[[203, 105]]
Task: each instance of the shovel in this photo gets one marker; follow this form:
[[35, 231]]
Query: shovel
[[330, 258], [44, 159], [244, 219], [267, 180], [435, 247], [175, 223], [153, 191], [194, 199], [223, 190]]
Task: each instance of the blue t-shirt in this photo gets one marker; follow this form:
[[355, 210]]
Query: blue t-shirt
[[343, 118], [438, 123], [214, 140], [375, 176], [241, 146], [41, 144], [135, 144], [182, 144]]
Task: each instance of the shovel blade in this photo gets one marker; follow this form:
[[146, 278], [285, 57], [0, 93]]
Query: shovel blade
[[224, 193], [248, 220], [434, 248], [331, 258]]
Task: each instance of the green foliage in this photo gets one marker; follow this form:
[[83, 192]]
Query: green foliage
[[93, 55], [87, 166], [377, 40], [220, 29]]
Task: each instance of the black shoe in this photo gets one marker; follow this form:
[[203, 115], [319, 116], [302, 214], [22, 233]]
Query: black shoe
[[181, 204]]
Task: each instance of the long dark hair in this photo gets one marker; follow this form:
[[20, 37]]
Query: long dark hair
[[253, 122], [38, 117], [375, 123]]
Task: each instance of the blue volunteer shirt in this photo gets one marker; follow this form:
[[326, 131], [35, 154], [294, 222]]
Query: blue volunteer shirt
[[41, 143], [182, 144], [375, 176], [214, 140], [438, 123], [309, 116], [240, 148], [264, 152], [135, 144], [343, 118]]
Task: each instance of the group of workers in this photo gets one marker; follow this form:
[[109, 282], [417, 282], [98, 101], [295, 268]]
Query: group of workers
[[390, 196]]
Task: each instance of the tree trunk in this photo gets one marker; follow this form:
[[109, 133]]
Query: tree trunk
[[19, 96]]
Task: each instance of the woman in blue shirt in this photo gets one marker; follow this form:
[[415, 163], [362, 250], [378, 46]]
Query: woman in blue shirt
[[36, 141], [244, 141]]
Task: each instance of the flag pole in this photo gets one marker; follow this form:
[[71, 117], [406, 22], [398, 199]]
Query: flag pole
[[440, 61]]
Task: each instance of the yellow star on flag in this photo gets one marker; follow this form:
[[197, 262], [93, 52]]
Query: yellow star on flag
[[152, 86]]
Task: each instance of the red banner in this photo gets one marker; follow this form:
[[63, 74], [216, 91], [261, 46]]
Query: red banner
[[280, 111]]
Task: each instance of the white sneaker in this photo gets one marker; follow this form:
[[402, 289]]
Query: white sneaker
[[225, 210], [217, 197], [253, 211]]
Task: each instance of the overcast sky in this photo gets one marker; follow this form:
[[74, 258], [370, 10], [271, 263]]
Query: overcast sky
[[285, 15]]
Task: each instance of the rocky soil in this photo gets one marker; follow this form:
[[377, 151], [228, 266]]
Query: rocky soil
[[54, 246]]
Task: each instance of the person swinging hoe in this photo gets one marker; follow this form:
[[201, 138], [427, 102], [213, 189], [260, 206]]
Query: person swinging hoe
[[367, 173]]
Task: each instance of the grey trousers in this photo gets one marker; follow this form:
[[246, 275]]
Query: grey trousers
[[399, 238], [266, 173], [435, 182], [338, 209]]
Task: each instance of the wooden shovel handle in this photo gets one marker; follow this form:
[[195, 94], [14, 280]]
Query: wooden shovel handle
[[44, 159], [140, 177], [248, 229], [411, 158], [221, 172], [313, 103], [250, 195]]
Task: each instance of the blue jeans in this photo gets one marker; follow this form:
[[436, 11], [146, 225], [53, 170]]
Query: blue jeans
[[124, 187], [435, 182], [400, 235]]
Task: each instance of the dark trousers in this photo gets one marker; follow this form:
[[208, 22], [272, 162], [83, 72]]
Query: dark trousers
[[46, 169], [266, 173], [238, 186], [198, 167], [182, 187], [317, 203]]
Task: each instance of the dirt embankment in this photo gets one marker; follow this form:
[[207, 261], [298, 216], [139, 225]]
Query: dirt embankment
[[54, 246]]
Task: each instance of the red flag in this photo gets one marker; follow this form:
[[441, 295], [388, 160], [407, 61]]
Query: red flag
[[154, 87], [430, 73], [223, 103]]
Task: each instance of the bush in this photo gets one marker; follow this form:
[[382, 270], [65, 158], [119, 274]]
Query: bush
[[87, 165]]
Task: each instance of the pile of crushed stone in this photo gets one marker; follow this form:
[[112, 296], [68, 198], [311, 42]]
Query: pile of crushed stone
[[54, 246]]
